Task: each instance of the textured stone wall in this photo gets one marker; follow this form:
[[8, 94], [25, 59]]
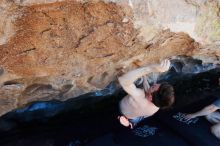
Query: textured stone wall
[[56, 49]]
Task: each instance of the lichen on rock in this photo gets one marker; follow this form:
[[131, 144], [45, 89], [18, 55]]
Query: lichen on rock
[[208, 21]]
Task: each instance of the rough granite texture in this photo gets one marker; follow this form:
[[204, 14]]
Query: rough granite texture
[[56, 49]]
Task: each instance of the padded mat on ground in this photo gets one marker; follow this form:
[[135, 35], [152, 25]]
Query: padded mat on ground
[[148, 132], [196, 131]]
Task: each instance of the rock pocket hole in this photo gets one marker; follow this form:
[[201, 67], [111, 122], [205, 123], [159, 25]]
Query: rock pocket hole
[[37, 87], [104, 75], [66, 88], [7, 83], [1, 71], [90, 80], [98, 81], [13, 85]]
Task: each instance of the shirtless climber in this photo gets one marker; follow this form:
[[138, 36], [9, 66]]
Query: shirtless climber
[[212, 115], [143, 103]]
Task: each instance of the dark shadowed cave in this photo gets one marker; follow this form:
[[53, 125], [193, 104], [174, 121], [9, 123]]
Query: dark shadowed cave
[[60, 59], [90, 120]]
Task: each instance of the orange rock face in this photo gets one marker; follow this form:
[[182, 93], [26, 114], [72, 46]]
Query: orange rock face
[[65, 49]]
